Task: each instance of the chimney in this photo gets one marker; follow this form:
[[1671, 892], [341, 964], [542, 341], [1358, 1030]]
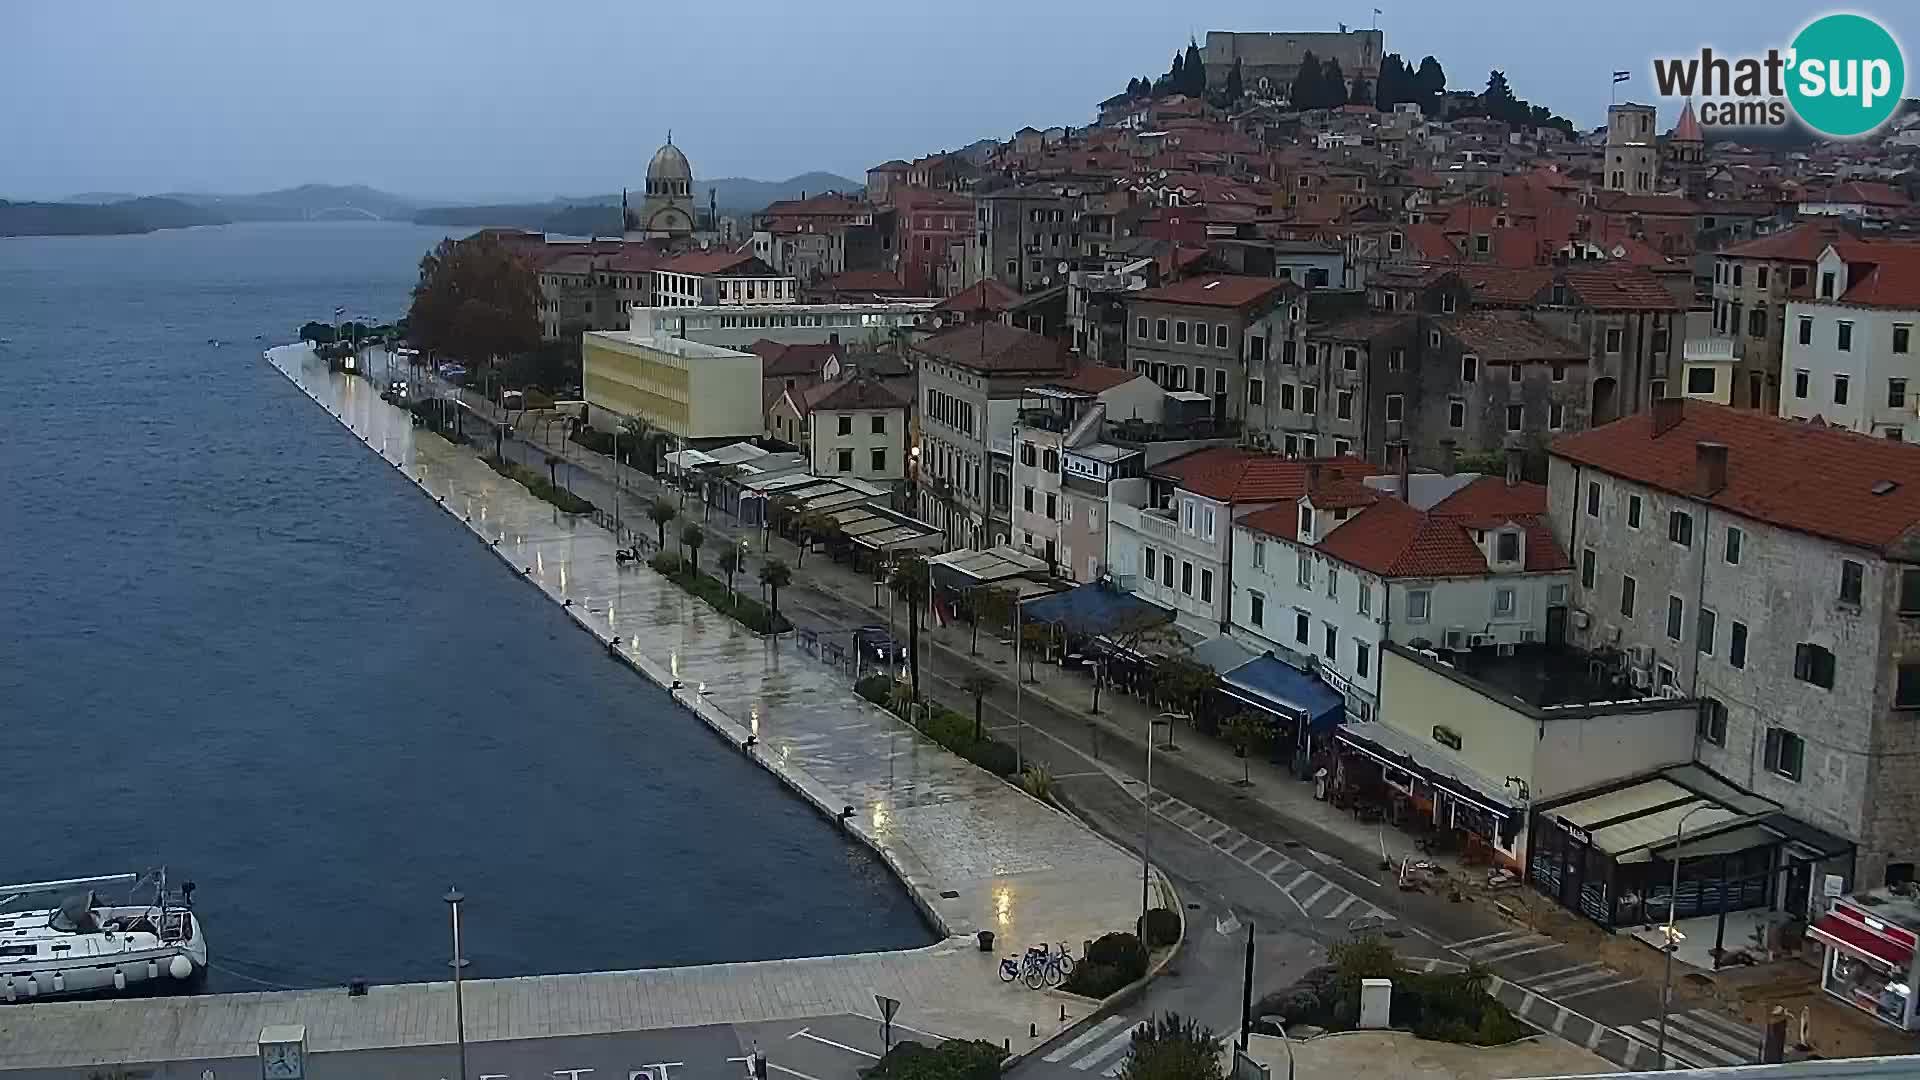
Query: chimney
[[1313, 478], [1446, 457], [1710, 468], [1667, 414]]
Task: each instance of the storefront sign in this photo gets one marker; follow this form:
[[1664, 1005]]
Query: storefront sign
[[1577, 834], [1446, 736]]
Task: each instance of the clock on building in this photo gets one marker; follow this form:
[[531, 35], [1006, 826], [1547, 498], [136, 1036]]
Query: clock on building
[[283, 1052]]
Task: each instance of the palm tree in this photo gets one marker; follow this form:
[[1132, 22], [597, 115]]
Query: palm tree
[[691, 538], [730, 561], [662, 512], [979, 684], [909, 580], [775, 575]]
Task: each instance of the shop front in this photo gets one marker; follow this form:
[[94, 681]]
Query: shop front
[[1303, 710], [1423, 786], [1870, 955]]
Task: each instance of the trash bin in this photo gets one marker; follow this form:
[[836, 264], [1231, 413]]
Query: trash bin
[[986, 940]]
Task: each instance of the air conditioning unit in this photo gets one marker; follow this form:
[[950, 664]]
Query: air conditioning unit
[[1580, 619], [1481, 641], [1642, 679], [1529, 636], [1611, 635], [1639, 656], [1671, 691], [1456, 639], [1506, 648]]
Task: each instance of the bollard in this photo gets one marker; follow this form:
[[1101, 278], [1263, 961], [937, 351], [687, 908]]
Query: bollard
[[1033, 1030], [1063, 1014]]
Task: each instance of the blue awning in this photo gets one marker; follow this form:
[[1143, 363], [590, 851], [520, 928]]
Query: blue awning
[[1280, 687], [1095, 609]]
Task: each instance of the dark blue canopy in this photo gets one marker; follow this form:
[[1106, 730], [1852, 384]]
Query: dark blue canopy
[[1280, 687], [1095, 609]]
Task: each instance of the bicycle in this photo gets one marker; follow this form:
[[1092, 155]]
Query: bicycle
[[1040, 966]]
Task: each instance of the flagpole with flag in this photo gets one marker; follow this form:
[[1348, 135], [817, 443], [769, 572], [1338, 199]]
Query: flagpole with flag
[[1376, 18], [1619, 77]]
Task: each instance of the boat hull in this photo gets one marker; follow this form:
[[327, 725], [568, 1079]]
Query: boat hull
[[105, 964]]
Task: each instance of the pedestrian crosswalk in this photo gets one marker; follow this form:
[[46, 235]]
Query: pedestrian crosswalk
[[1315, 894], [1578, 980], [1102, 1047], [1699, 1039], [1505, 945]]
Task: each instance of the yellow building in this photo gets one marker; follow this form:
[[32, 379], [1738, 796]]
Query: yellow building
[[694, 391]]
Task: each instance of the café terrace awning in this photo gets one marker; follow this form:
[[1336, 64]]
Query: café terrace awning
[[1636, 821], [1096, 609], [1270, 683], [969, 569], [1431, 762]]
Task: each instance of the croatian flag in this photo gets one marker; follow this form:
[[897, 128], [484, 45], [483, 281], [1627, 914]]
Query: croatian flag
[[339, 311], [1621, 76]]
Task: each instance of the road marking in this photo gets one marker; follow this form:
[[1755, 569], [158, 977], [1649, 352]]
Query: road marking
[[1594, 973], [1484, 937], [1528, 952], [1236, 846], [1568, 995], [901, 1026], [1730, 1028], [803, 1033], [1594, 1036], [1085, 1037], [1528, 999], [790, 1072], [1304, 875], [1543, 980], [1560, 1020], [1344, 905], [1710, 1034], [1224, 830], [1509, 949], [1647, 1033], [1325, 888], [1107, 1048]]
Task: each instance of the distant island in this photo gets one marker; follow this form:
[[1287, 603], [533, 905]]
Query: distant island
[[599, 215], [103, 213]]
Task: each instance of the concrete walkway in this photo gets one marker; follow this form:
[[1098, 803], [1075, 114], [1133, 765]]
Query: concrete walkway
[[975, 852]]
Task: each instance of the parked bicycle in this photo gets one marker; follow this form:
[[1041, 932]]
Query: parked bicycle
[[1040, 966]]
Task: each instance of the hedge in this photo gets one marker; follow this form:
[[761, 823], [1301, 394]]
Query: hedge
[[1443, 1006], [1160, 927], [954, 1059], [567, 501], [1112, 961], [745, 610]]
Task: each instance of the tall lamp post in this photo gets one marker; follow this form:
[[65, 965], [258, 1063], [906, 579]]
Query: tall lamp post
[[458, 963], [1146, 826], [1672, 935]]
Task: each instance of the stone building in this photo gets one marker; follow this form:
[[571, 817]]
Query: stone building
[[1752, 283], [1714, 559], [1269, 61], [668, 212], [1027, 232], [1632, 151], [1199, 336]]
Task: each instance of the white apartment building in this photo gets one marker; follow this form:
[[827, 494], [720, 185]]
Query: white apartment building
[[1469, 563], [1850, 357], [1179, 545], [1766, 567], [789, 324], [722, 278], [1073, 413]]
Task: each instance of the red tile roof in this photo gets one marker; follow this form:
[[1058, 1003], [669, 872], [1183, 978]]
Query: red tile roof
[[1661, 205], [1619, 287], [1097, 380], [1866, 193], [706, 262], [987, 294], [779, 360], [1500, 338], [1815, 480], [1215, 290], [1393, 539], [993, 347], [1231, 475], [853, 393], [1891, 278], [1802, 243], [878, 281]]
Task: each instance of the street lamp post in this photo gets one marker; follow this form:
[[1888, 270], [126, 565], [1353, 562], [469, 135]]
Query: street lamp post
[[458, 963], [1672, 935], [1146, 828]]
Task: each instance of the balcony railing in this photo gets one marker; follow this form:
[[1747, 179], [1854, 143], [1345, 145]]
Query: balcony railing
[[1140, 432]]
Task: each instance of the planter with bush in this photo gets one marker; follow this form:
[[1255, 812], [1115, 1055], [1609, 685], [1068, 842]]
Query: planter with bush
[[954, 1059], [1450, 1007], [1112, 961], [944, 726], [1160, 928], [567, 501], [749, 612]]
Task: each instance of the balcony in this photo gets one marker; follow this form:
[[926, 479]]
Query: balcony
[[1044, 420], [1710, 350], [1084, 484], [1137, 433]]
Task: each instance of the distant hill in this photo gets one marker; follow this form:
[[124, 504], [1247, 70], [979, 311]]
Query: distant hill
[[100, 198], [308, 202], [600, 214], [82, 219]]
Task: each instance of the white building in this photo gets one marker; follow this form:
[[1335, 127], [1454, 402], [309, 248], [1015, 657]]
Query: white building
[[788, 324], [724, 278], [1468, 563], [1049, 522], [1850, 356]]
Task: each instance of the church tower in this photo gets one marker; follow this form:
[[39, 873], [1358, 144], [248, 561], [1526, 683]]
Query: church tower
[[668, 210]]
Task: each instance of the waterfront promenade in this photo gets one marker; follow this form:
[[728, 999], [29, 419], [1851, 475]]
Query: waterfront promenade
[[975, 852]]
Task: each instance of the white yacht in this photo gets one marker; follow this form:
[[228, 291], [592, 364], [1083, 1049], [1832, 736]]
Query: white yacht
[[86, 945]]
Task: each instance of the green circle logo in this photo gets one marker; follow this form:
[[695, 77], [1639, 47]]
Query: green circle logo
[[1847, 75]]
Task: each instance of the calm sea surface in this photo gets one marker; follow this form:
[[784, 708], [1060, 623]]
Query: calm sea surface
[[233, 643]]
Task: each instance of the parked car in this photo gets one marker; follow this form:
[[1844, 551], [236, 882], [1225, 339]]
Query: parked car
[[877, 645]]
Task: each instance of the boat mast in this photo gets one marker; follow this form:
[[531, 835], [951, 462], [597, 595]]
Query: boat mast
[[10, 893]]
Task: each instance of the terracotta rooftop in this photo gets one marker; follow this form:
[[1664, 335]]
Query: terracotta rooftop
[[1231, 475], [1498, 338], [987, 294], [1215, 290], [1802, 243], [1827, 482], [1096, 380], [1886, 276], [878, 281], [993, 347], [706, 262], [780, 360], [1392, 539], [851, 394]]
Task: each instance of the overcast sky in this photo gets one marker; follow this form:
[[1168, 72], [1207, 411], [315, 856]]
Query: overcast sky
[[480, 99]]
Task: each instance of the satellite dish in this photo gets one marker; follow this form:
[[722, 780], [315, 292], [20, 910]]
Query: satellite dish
[[1046, 279], [1062, 267]]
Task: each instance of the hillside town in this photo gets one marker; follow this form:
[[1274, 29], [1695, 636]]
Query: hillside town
[[1545, 490]]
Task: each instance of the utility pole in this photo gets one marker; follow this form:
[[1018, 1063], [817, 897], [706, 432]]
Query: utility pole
[[458, 963]]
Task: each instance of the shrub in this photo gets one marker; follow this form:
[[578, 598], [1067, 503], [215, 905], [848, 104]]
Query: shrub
[[875, 688], [1173, 1048], [1095, 980], [994, 756], [1121, 950], [1161, 926], [743, 609], [954, 1059], [567, 501]]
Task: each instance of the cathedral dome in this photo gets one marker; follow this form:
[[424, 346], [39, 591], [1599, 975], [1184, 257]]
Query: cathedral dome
[[669, 164]]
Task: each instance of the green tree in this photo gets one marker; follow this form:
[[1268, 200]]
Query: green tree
[[1182, 682], [661, 513], [730, 563], [991, 605], [977, 685], [1236, 84], [775, 575], [691, 538], [1306, 93], [1173, 1047], [1177, 74], [318, 333], [475, 298], [1497, 99], [1133, 88], [1195, 72], [1429, 85], [1333, 84], [1395, 84], [1246, 733], [909, 581]]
